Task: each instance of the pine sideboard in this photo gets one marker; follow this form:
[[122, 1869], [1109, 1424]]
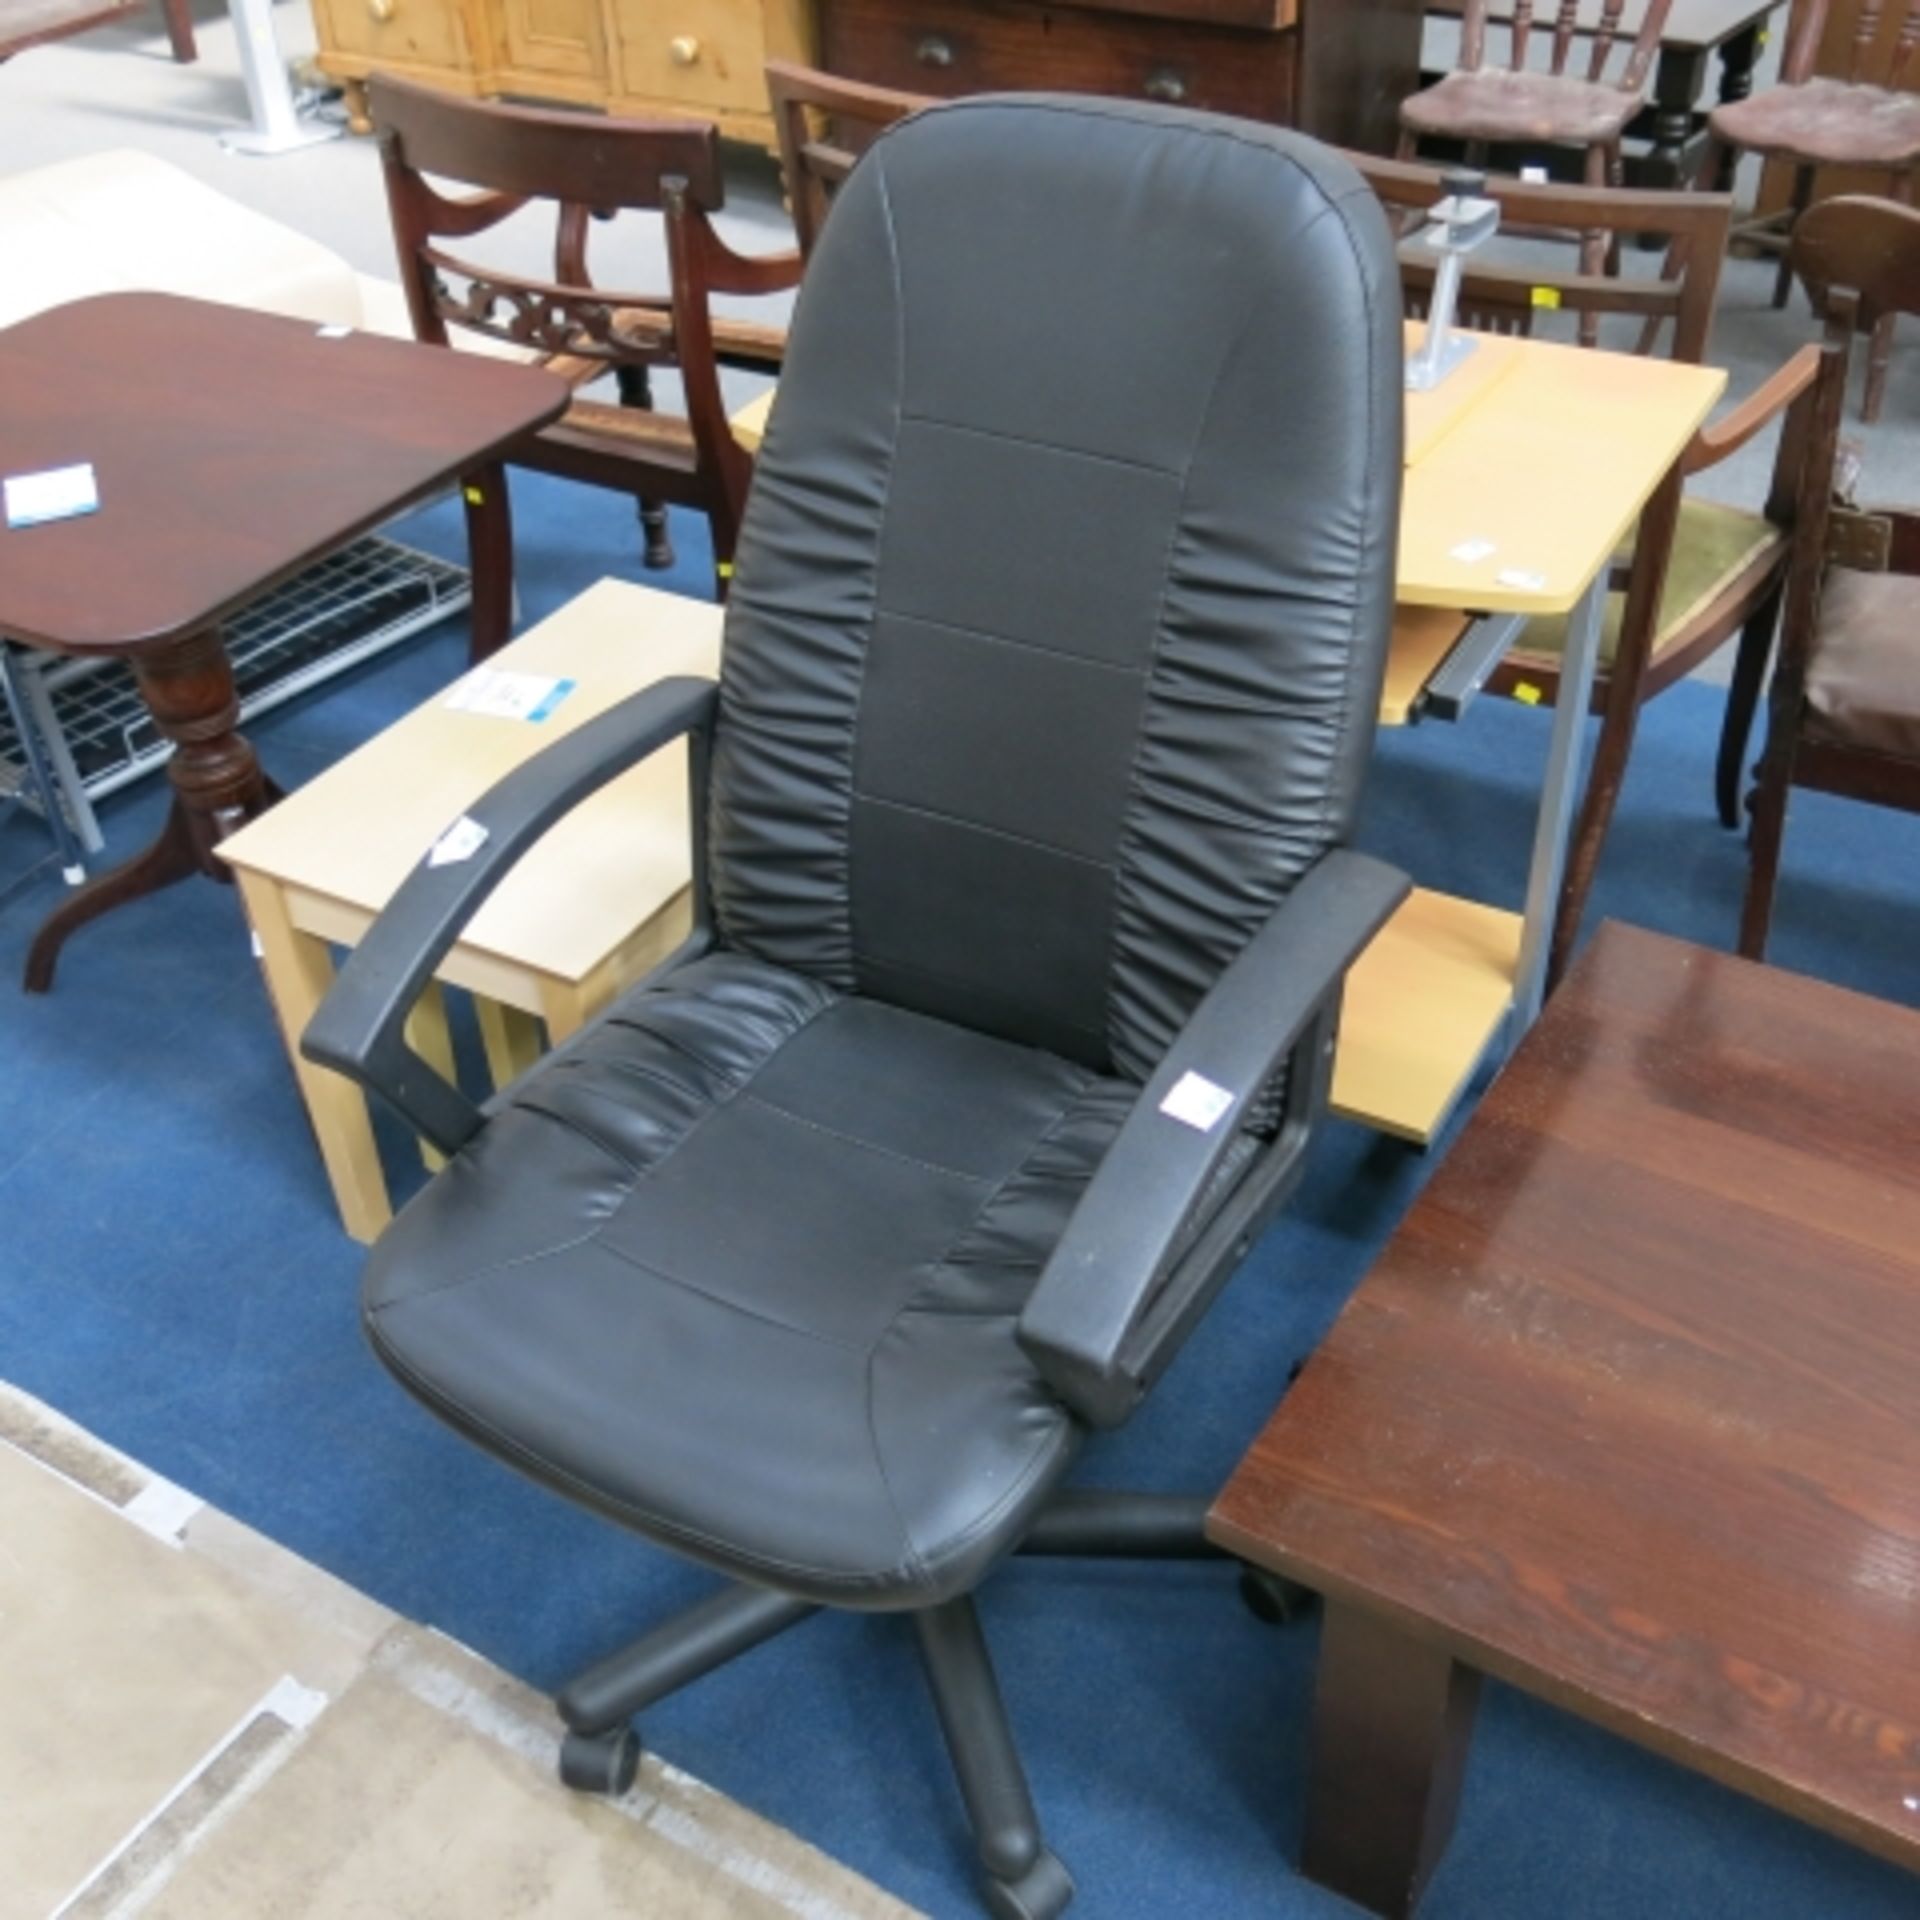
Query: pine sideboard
[[639, 57]]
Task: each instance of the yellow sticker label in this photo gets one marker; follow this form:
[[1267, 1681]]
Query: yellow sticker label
[[473, 496], [1761, 38], [1546, 296], [724, 569], [1527, 694]]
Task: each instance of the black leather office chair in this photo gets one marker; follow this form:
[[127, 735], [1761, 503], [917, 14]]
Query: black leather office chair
[[1022, 910]]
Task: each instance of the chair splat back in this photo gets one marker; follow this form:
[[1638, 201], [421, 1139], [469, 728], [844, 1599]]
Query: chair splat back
[[981, 754], [1603, 31], [824, 123], [583, 166]]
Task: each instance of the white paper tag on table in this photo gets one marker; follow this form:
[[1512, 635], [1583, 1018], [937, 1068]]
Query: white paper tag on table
[[1197, 1102], [507, 695], [461, 841], [60, 493], [1468, 551]]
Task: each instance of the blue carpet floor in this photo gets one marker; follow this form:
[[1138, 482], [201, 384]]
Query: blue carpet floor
[[172, 1276]]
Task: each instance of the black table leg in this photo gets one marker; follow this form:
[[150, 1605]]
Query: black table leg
[[1392, 1721]]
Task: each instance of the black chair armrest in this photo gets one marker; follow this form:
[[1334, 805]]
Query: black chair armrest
[[1125, 1233], [359, 1028]]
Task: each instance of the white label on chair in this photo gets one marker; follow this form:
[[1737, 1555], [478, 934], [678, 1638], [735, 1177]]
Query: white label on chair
[[1521, 581], [334, 332], [1197, 1102], [1468, 551], [507, 695], [461, 841], [1534, 176], [57, 494]]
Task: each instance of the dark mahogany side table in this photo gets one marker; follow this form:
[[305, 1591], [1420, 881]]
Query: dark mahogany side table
[[1628, 1415], [231, 449]]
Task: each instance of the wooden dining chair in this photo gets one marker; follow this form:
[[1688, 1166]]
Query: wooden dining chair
[[1694, 573], [1811, 122], [1844, 711], [1484, 106], [823, 124], [586, 165]]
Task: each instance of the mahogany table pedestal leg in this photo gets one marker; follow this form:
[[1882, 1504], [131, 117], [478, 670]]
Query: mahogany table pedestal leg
[[1392, 1719], [217, 787]]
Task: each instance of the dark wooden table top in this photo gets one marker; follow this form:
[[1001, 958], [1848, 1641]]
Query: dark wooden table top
[[1628, 1413], [230, 447]]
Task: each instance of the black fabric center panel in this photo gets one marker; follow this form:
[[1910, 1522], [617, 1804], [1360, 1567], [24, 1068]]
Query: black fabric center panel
[[1066, 579]]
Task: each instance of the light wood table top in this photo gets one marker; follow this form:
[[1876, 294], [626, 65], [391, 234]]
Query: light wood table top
[[358, 829], [1626, 1413], [1551, 464]]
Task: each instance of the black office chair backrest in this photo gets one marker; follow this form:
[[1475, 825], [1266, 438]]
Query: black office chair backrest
[[1062, 600]]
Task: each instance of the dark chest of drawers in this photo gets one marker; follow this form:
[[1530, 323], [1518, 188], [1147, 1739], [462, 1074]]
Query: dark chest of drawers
[[1335, 68]]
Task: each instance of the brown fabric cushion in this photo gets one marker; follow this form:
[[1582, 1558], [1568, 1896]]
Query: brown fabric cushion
[[1827, 122], [1493, 105], [1863, 682]]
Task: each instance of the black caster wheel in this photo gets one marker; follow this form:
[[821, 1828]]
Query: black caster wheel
[[1041, 1893], [600, 1762], [1274, 1598]]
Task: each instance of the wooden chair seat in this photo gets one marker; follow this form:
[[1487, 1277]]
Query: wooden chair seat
[[1863, 675], [1497, 106], [666, 438], [1825, 123], [1717, 551]]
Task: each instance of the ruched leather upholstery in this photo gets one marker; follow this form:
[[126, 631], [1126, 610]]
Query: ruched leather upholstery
[[1052, 656], [1050, 666], [741, 1267]]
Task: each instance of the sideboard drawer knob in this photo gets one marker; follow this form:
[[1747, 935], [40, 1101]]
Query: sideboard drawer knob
[[382, 10], [934, 51], [685, 50], [1165, 85]]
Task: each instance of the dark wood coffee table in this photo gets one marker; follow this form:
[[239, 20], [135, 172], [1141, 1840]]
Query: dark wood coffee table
[[232, 449], [1628, 1415]]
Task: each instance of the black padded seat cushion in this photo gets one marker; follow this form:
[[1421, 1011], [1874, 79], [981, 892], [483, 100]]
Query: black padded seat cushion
[[741, 1266]]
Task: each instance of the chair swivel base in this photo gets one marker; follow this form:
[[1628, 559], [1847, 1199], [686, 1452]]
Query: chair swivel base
[[1023, 1880]]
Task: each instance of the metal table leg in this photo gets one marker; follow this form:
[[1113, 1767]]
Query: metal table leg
[[1566, 756], [40, 771]]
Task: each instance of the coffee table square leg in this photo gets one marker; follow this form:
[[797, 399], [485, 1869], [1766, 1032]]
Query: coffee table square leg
[[298, 970], [1392, 1720]]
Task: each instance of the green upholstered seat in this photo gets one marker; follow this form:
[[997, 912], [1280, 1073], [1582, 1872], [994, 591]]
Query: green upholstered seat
[[1713, 546]]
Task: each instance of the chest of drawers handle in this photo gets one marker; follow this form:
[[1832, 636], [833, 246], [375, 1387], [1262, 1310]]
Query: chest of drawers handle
[[684, 50], [1164, 85], [934, 51]]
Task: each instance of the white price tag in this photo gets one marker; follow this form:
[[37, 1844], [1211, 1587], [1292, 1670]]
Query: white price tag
[[58, 494], [509, 696], [461, 841], [1197, 1102], [334, 332], [1520, 580]]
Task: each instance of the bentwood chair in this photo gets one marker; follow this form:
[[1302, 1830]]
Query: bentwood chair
[[1696, 572], [1868, 124], [1022, 900], [823, 124], [1844, 710], [1484, 106], [586, 165]]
